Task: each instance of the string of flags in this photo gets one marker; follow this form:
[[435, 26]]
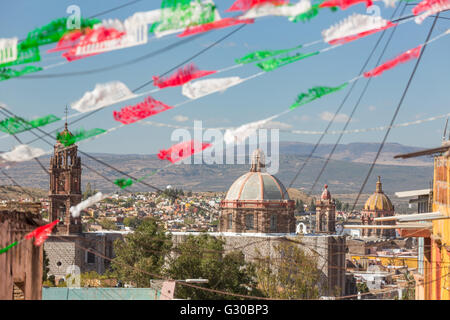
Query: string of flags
[[68, 139], [187, 18], [182, 150], [149, 107], [75, 210], [270, 9], [131, 115], [402, 58], [39, 234], [181, 76], [14, 125], [355, 27], [273, 125], [175, 16]]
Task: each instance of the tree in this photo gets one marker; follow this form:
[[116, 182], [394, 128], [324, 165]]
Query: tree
[[88, 191], [108, 224], [204, 257], [362, 287], [140, 256], [312, 206], [45, 267], [338, 205], [300, 206], [132, 222], [346, 207], [291, 275]]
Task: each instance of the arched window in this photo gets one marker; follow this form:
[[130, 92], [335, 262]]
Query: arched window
[[273, 223], [230, 220], [249, 225]]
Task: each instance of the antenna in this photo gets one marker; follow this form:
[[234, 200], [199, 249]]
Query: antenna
[[445, 131], [67, 112]]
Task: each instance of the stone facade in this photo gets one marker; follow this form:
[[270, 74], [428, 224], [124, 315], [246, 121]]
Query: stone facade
[[330, 251], [66, 251], [21, 266], [257, 217]]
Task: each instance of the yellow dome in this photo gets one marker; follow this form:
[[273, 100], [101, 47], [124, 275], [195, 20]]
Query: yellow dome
[[379, 201]]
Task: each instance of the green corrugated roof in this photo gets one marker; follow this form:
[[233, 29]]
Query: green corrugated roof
[[100, 294]]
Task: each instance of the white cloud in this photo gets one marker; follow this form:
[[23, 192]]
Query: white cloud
[[277, 125], [327, 116], [372, 108], [302, 118], [180, 118]]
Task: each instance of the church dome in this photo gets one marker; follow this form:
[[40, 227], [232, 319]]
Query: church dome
[[257, 185], [379, 201]]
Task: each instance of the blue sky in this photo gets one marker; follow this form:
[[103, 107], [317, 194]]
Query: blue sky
[[254, 100]]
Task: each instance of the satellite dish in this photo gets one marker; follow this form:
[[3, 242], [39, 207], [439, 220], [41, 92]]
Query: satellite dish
[[169, 187]]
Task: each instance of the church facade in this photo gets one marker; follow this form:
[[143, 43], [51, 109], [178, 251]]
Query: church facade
[[69, 247]]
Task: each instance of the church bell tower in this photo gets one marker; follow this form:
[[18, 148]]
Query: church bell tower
[[65, 186], [325, 213]]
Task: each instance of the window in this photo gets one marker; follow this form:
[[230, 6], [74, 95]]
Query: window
[[249, 222], [273, 223], [90, 257], [230, 220]]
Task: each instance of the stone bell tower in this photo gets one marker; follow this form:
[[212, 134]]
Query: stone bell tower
[[65, 186], [325, 213]]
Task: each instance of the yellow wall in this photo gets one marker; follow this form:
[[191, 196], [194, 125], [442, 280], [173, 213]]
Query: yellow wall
[[441, 230], [411, 262]]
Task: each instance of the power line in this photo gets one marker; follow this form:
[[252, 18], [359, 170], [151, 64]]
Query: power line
[[354, 110], [20, 141], [103, 12], [340, 106], [114, 9], [115, 66], [395, 113]]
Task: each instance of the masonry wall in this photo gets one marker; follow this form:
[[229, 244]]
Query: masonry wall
[[64, 251]]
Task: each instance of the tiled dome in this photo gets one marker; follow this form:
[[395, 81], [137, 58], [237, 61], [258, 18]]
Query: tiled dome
[[257, 186], [379, 201]]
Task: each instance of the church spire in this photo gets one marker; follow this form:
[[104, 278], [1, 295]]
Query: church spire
[[258, 161], [378, 189]]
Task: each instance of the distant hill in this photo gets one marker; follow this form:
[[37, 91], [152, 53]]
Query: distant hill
[[360, 152], [13, 192], [296, 194], [343, 176]]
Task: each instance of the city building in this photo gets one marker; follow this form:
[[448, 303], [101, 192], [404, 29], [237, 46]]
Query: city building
[[434, 227], [377, 206]]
